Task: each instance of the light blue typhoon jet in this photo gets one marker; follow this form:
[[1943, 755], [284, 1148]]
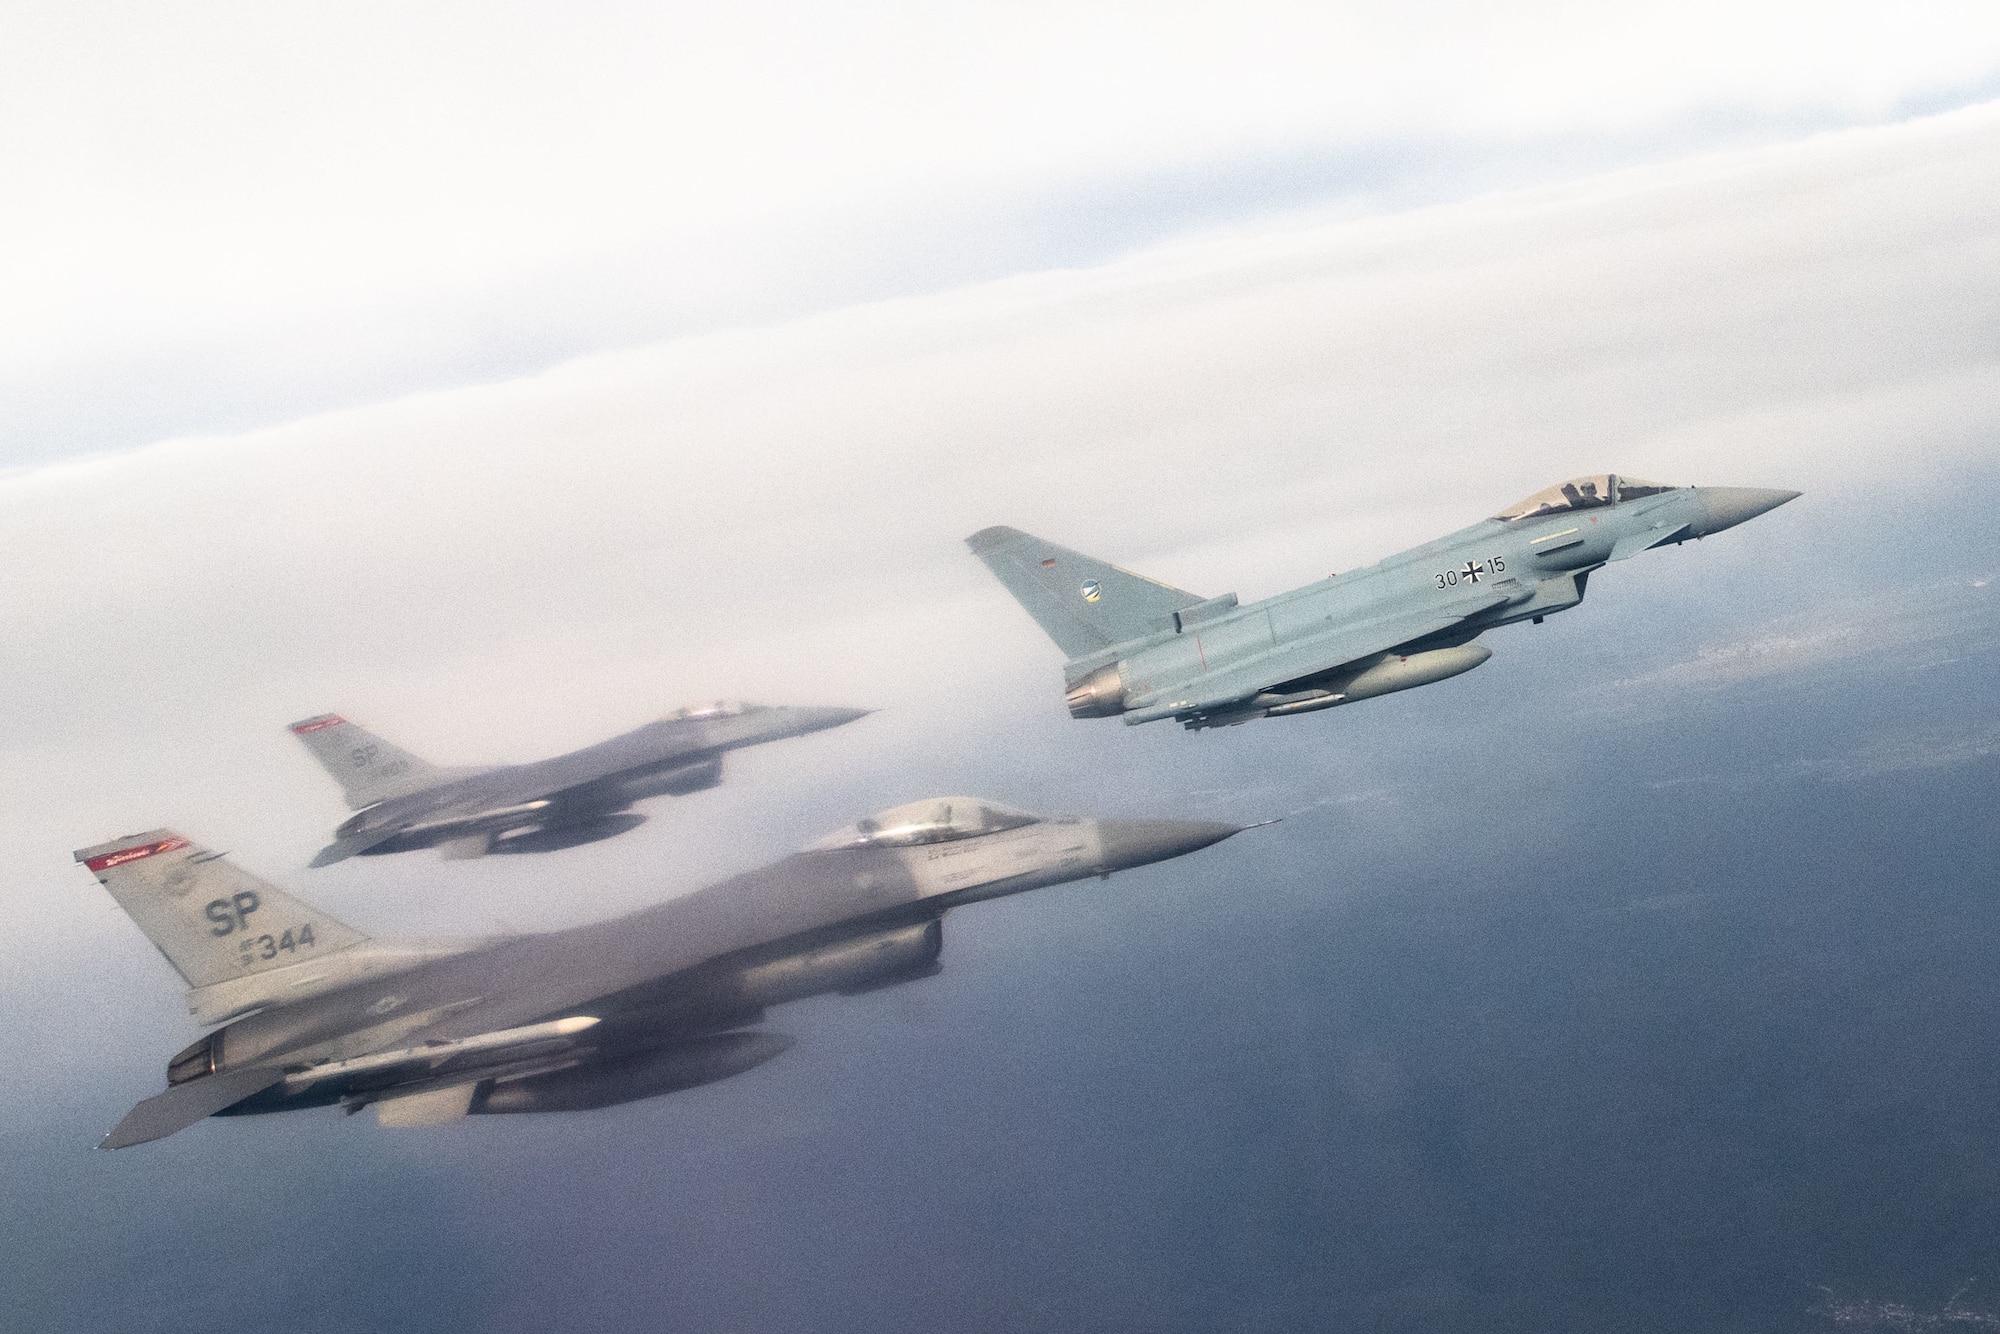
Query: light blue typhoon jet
[[1148, 651]]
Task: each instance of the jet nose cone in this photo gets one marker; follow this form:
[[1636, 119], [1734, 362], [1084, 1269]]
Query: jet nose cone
[[1137, 842], [1728, 506], [813, 719]]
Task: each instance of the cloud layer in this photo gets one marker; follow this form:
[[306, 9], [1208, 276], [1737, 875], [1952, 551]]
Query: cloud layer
[[214, 212]]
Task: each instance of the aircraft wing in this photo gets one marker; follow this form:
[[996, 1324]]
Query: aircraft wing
[[1349, 642], [184, 1104]]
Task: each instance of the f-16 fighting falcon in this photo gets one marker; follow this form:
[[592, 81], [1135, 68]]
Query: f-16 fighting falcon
[[317, 1014], [405, 803], [1148, 651]]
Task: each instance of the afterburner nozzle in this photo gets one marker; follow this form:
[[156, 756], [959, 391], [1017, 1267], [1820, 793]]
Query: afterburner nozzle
[[1099, 695]]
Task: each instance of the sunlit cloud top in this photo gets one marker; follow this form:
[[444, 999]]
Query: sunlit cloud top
[[245, 193]]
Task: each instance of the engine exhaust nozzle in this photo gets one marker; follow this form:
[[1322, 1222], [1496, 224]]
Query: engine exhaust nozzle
[[1099, 695]]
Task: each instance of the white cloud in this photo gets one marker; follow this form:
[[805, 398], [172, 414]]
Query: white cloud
[[376, 182]]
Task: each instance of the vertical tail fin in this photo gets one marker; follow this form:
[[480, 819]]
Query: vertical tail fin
[[1082, 603], [367, 768], [213, 920]]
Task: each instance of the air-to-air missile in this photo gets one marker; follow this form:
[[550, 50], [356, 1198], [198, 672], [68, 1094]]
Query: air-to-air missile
[[1147, 651], [315, 1014], [404, 803]]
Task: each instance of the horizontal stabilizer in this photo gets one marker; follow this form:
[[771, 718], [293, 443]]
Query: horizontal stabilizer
[[342, 848], [1084, 604], [184, 1104]]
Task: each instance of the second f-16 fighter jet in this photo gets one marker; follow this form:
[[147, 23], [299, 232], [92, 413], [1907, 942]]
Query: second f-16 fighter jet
[[405, 803], [316, 1014], [1149, 651]]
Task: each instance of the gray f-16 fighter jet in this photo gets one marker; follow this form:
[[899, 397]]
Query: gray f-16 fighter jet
[[1148, 651], [405, 803], [659, 1000]]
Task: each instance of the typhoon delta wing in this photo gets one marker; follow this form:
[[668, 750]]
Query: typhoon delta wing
[[404, 803], [662, 999], [1147, 651]]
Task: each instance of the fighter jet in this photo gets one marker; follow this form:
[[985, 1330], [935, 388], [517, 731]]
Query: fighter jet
[[405, 803], [316, 1014], [1145, 650]]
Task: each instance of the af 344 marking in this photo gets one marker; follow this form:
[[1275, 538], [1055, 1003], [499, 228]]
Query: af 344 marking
[[232, 915], [254, 948]]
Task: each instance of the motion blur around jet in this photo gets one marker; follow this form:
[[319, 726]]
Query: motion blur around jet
[[1149, 651], [405, 803], [659, 1000]]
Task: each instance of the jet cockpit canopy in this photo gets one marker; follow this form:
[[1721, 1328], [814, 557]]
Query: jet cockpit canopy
[[721, 708], [936, 820], [1582, 493]]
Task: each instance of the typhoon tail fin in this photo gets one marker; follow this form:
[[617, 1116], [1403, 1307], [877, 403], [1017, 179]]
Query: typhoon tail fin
[[367, 768], [1084, 604], [213, 920]]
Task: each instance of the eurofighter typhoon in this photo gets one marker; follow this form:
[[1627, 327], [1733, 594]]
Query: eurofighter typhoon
[[405, 803], [1147, 651], [316, 1014]]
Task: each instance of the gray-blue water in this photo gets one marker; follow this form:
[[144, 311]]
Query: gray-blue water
[[1618, 985]]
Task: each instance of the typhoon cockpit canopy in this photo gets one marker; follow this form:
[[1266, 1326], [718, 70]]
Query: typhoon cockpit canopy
[[1582, 493], [936, 820]]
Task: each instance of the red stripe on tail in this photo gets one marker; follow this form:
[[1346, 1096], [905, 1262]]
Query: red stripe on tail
[[133, 854]]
